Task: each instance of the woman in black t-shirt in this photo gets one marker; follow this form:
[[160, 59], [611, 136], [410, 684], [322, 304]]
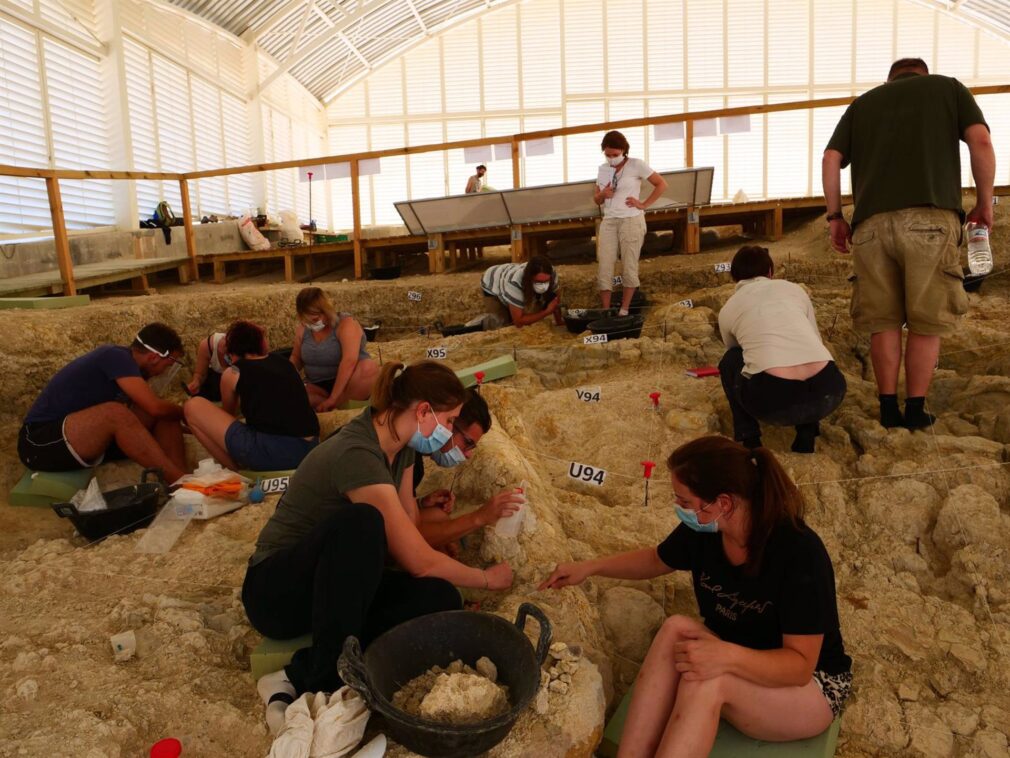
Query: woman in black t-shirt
[[769, 656], [280, 426]]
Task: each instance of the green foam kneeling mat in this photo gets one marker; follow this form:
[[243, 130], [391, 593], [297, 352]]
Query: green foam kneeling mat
[[43, 488], [273, 655], [350, 405], [45, 303], [730, 743], [496, 368]]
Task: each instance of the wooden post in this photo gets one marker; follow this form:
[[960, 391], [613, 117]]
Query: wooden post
[[220, 276], [688, 144], [289, 267], [436, 253], [60, 236], [356, 209], [187, 219], [773, 223], [515, 163], [517, 244], [453, 255], [692, 231]]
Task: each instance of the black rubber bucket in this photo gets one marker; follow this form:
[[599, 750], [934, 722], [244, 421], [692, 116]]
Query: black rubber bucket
[[577, 319], [371, 332], [618, 327], [128, 508], [638, 301], [410, 649]]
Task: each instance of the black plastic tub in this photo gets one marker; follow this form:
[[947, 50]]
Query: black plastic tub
[[128, 509], [638, 301], [384, 272], [577, 319], [410, 649], [618, 327], [371, 332]]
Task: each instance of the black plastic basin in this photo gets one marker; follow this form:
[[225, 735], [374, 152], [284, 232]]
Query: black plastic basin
[[618, 327], [577, 319]]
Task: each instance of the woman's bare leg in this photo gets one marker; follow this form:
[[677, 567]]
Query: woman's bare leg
[[210, 425]]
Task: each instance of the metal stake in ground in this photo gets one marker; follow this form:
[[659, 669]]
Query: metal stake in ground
[[647, 466]]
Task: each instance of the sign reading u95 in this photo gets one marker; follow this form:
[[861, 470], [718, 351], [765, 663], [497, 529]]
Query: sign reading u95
[[584, 473]]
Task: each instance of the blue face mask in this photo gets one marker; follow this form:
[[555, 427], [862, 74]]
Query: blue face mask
[[435, 441], [690, 520], [447, 460]]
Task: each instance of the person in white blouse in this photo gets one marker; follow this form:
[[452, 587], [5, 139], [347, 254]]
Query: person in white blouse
[[776, 369], [622, 231]]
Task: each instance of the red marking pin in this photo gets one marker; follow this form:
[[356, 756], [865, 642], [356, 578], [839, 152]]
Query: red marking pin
[[479, 376], [654, 397], [169, 747], [647, 467]]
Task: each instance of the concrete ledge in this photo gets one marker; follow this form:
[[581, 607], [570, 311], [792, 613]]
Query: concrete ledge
[[47, 303]]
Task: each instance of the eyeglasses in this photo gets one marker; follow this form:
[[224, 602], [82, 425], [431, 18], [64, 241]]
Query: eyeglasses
[[159, 353], [468, 444]]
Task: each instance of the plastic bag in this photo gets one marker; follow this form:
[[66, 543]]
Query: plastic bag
[[290, 230], [90, 499], [252, 236]]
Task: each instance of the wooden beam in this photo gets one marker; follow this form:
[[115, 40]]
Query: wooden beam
[[61, 240], [518, 248], [359, 267], [187, 220], [436, 253], [689, 145], [515, 163], [559, 132]]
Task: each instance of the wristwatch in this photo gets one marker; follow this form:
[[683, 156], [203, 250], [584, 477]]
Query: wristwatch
[[834, 216]]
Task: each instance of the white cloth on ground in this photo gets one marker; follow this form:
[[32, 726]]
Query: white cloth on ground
[[319, 727]]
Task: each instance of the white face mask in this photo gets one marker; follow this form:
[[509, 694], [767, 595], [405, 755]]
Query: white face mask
[[162, 383], [616, 161], [315, 326], [541, 287]]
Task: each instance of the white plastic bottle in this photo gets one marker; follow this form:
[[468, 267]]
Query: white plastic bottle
[[979, 252], [511, 526]]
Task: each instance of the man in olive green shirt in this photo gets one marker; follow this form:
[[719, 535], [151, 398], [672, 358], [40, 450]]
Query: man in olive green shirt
[[901, 139]]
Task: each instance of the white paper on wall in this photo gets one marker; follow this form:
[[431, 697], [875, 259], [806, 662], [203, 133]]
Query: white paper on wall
[[734, 124], [318, 173], [706, 127], [668, 131], [503, 151], [543, 146], [337, 170], [369, 166], [479, 154]]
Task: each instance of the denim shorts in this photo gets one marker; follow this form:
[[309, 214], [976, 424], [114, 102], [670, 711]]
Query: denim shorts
[[260, 451]]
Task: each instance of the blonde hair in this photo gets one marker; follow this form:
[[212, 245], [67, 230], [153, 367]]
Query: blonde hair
[[313, 297]]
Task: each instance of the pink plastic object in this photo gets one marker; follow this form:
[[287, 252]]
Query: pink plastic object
[[648, 466], [654, 397], [479, 376], [169, 747]]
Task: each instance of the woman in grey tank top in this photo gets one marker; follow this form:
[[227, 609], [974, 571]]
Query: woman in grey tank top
[[330, 349]]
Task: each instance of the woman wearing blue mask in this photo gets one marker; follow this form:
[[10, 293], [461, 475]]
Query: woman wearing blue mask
[[768, 656], [321, 563], [439, 529]]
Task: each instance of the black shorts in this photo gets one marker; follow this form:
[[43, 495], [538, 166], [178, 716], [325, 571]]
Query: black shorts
[[42, 447], [211, 387]]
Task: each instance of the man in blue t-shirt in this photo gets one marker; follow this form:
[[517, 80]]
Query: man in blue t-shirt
[[100, 407]]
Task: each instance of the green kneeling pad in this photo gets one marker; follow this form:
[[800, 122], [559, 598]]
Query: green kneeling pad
[[45, 303], [730, 743], [257, 475], [350, 405], [43, 488], [273, 655], [496, 368]]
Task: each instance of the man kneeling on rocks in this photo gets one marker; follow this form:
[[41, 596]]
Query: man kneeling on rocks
[[99, 407], [776, 368]]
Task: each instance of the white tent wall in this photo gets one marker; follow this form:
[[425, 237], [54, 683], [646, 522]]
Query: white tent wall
[[544, 64], [136, 85]]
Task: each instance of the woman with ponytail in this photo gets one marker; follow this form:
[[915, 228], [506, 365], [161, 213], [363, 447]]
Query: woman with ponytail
[[768, 656], [322, 562]]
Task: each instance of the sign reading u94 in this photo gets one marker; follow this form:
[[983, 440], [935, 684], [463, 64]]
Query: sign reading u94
[[584, 473]]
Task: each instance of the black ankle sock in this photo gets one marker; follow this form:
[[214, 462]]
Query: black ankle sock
[[915, 413], [890, 414]]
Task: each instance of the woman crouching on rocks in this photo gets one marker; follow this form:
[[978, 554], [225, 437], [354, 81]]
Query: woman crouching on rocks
[[769, 656]]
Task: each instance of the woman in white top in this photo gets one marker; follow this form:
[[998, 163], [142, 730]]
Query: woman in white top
[[776, 368], [618, 184], [211, 362]]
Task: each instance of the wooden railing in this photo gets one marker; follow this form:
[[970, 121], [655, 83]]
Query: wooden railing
[[62, 242]]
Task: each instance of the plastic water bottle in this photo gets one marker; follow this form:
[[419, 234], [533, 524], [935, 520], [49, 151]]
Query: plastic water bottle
[[511, 526], [979, 252]]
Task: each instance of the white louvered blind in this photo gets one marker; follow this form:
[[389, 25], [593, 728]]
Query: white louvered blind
[[625, 49], [789, 43], [704, 43], [238, 152], [208, 139], [175, 124], [500, 60], [23, 202], [583, 36], [832, 43], [143, 127], [462, 73], [540, 39], [80, 133]]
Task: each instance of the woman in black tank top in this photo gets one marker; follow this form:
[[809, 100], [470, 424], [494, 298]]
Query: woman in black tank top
[[280, 426]]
